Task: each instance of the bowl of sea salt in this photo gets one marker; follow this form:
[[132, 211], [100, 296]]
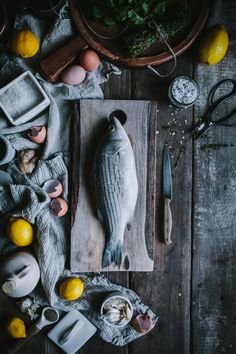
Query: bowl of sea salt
[[183, 91], [23, 98]]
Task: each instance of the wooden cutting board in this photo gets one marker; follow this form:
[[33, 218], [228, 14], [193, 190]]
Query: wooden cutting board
[[87, 234]]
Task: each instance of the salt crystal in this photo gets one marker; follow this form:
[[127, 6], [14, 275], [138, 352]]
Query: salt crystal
[[184, 90]]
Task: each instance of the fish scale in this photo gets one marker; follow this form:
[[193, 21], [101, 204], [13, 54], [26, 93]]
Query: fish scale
[[115, 188], [108, 204]]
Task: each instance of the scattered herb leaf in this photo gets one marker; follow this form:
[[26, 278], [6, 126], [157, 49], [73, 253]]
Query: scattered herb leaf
[[210, 147]]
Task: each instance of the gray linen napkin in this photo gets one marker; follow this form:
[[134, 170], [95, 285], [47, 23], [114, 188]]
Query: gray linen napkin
[[26, 198]]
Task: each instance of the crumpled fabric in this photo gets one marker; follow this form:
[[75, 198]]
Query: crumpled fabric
[[59, 115], [26, 198]]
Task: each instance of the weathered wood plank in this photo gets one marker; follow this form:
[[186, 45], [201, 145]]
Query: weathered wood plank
[[87, 239], [167, 289], [118, 87], [214, 243]]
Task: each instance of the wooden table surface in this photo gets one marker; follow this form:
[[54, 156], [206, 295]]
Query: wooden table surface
[[193, 285]]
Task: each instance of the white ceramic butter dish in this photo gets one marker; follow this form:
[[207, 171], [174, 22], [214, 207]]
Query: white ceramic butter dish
[[72, 332], [23, 98]]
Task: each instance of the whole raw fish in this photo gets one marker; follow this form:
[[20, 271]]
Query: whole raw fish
[[115, 188]]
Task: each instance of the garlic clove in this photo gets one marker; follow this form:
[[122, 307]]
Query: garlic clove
[[113, 315], [26, 167], [26, 155]]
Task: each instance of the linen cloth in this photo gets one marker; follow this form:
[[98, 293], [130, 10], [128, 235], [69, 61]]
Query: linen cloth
[[26, 198]]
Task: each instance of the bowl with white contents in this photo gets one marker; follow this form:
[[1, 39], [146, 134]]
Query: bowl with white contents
[[183, 91], [116, 310]]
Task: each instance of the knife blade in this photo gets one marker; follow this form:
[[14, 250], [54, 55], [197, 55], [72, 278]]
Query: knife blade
[[167, 195]]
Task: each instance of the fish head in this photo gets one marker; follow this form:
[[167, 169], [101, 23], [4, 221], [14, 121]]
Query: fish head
[[115, 137]]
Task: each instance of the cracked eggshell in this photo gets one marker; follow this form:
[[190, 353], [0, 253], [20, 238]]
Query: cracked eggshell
[[38, 134], [142, 323], [73, 75], [53, 188], [59, 207]]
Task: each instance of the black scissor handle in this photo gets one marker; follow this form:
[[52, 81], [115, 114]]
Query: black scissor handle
[[216, 104], [223, 98]]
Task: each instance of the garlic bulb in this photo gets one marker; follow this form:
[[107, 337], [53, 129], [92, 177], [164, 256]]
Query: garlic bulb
[[117, 311], [27, 161]]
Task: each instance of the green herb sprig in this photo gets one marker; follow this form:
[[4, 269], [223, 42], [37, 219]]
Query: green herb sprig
[[128, 12]]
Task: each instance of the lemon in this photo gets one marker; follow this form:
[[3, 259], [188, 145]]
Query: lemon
[[24, 43], [71, 289], [20, 232], [214, 45], [16, 327]]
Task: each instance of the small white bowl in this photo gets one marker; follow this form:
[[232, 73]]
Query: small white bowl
[[23, 98], [116, 295]]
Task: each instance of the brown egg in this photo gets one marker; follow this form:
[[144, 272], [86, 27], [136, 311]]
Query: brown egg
[[38, 134], [53, 188], [89, 60], [59, 207], [73, 75]]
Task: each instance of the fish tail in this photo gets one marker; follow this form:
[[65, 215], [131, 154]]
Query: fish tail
[[112, 253]]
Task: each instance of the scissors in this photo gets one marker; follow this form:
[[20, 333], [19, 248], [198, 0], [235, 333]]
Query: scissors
[[214, 106]]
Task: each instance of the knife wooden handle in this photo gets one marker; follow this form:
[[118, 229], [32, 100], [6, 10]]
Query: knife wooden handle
[[167, 221]]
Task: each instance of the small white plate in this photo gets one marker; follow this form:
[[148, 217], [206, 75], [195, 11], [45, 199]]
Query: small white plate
[[23, 98], [76, 339]]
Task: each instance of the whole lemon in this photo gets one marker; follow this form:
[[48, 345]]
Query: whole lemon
[[71, 289], [20, 232], [214, 45], [16, 327], [24, 44]]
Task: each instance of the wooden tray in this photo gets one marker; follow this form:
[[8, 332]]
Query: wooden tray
[[87, 234], [114, 50]]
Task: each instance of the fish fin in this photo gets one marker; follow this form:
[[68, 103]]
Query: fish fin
[[100, 217], [129, 224], [112, 253]]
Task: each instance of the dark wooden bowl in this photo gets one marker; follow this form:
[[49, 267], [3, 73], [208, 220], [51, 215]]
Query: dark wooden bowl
[[114, 50]]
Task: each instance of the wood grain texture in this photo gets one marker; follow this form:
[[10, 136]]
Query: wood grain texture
[[88, 239], [118, 87], [119, 55], [167, 289], [167, 227], [213, 310]]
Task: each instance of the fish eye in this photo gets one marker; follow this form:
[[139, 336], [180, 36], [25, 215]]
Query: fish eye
[[112, 128]]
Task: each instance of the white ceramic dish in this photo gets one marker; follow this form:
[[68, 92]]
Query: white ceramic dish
[[116, 295], [72, 332], [23, 98], [19, 274], [5, 179]]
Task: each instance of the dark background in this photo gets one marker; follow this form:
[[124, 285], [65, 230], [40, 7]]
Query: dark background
[[193, 287]]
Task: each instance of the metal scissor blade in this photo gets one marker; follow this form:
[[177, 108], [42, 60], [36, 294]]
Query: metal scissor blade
[[200, 129], [167, 176]]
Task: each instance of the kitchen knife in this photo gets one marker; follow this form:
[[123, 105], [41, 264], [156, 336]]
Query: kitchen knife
[[167, 196]]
